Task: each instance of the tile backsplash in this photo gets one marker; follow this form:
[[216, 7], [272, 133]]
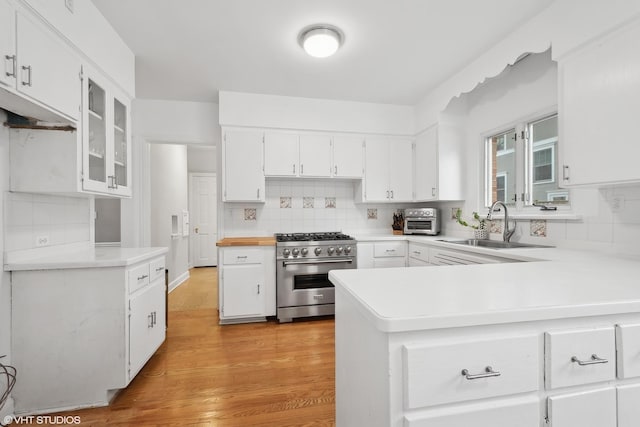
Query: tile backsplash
[[306, 206], [33, 220]]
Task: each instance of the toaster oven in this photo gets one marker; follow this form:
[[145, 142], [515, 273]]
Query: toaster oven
[[421, 221]]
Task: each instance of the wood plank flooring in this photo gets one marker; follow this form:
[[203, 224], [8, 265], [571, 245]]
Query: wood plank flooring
[[261, 374]]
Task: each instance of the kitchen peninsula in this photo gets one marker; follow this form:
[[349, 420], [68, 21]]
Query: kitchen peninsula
[[553, 340]]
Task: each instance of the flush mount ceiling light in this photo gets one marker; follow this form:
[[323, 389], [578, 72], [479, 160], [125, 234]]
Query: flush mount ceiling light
[[320, 40]]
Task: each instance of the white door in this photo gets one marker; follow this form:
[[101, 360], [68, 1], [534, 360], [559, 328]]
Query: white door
[[8, 44], [376, 170], [315, 156], [281, 154], [426, 165], [347, 157], [203, 236], [400, 171]]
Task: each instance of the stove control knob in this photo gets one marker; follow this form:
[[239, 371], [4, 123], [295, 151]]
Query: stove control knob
[[286, 252], [347, 250], [295, 251], [331, 250], [339, 250], [304, 251], [317, 251]]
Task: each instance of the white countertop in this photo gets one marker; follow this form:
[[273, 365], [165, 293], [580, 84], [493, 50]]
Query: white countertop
[[555, 283], [90, 257]]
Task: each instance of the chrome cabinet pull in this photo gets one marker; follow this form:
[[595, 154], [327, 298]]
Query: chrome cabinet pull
[[488, 372], [11, 58], [159, 269], [258, 195], [335, 168], [301, 169], [387, 194], [28, 69], [144, 276], [241, 257], [417, 252], [294, 169], [258, 289], [565, 172], [595, 360], [392, 194], [433, 191], [390, 250], [150, 320]]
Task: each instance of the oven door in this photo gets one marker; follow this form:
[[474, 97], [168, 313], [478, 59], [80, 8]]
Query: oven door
[[419, 226], [306, 281]]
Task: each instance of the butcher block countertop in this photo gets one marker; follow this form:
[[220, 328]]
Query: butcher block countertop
[[247, 241]]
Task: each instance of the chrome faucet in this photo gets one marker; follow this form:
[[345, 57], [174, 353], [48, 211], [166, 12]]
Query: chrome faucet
[[507, 232]]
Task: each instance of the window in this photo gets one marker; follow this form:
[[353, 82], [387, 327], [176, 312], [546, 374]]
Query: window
[[522, 162]]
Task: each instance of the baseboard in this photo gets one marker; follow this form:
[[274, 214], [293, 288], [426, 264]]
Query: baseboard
[[179, 281], [7, 411]]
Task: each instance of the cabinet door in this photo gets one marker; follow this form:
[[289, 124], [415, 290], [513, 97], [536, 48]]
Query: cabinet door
[[281, 154], [627, 350], [8, 44], [596, 408], [426, 165], [347, 157], [95, 134], [376, 170], [121, 146], [628, 407], [243, 290], [243, 171], [365, 255], [401, 171], [389, 262], [48, 71], [315, 156], [599, 109], [146, 325]]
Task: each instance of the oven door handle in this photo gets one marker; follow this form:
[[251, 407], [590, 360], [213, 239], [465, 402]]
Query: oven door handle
[[319, 261]]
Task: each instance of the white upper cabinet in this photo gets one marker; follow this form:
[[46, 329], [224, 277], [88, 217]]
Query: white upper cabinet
[[599, 108], [388, 172], [315, 156], [8, 43], [281, 154], [243, 175], [106, 138], [347, 156], [438, 165]]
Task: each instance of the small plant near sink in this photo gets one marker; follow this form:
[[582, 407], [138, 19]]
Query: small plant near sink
[[480, 229]]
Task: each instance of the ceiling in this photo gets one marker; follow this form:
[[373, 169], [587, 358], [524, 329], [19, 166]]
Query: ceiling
[[394, 52]]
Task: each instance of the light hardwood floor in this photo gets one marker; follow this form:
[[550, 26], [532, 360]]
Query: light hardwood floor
[[260, 374]]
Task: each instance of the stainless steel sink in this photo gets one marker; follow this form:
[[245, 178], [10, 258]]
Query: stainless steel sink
[[495, 244]]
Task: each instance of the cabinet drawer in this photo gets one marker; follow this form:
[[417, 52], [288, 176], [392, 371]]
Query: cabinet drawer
[[595, 408], [580, 356], [434, 373], [628, 408], [138, 277], [420, 252], [521, 413], [156, 269], [628, 343], [242, 256], [389, 262], [389, 249]]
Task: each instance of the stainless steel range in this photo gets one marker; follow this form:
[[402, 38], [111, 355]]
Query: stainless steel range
[[303, 264]]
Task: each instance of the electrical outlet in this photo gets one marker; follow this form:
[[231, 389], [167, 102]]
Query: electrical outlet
[[42, 241], [69, 4]]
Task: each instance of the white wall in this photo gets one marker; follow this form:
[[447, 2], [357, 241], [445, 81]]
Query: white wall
[[5, 284], [169, 196], [201, 159]]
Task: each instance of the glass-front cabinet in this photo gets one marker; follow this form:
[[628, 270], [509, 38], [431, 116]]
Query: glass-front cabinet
[[106, 139]]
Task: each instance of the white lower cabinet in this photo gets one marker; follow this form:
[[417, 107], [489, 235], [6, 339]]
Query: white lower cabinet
[[628, 350], [593, 408], [382, 254], [80, 334], [628, 405], [246, 278], [521, 413], [418, 255]]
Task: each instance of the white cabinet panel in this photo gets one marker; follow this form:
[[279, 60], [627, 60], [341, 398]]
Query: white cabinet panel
[[388, 170], [580, 356], [281, 154], [389, 262], [401, 170], [390, 249], [365, 254], [426, 165], [146, 325], [8, 44], [418, 252], [242, 293], [315, 156], [242, 256], [599, 109], [138, 277], [243, 166], [436, 373], [628, 350], [629, 405], [376, 177], [520, 413], [595, 408], [347, 156]]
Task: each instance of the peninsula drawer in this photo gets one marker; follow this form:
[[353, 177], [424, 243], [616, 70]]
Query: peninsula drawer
[[628, 343], [437, 374], [156, 269], [390, 249], [242, 256], [579, 356], [418, 251], [138, 277]]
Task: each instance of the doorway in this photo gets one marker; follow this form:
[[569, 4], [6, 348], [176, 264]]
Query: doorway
[[202, 207]]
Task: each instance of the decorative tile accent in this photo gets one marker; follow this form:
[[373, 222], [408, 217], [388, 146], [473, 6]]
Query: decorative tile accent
[[372, 213], [330, 202], [307, 202], [454, 211], [250, 214], [538, 228], [495, 226], [285, 202]]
